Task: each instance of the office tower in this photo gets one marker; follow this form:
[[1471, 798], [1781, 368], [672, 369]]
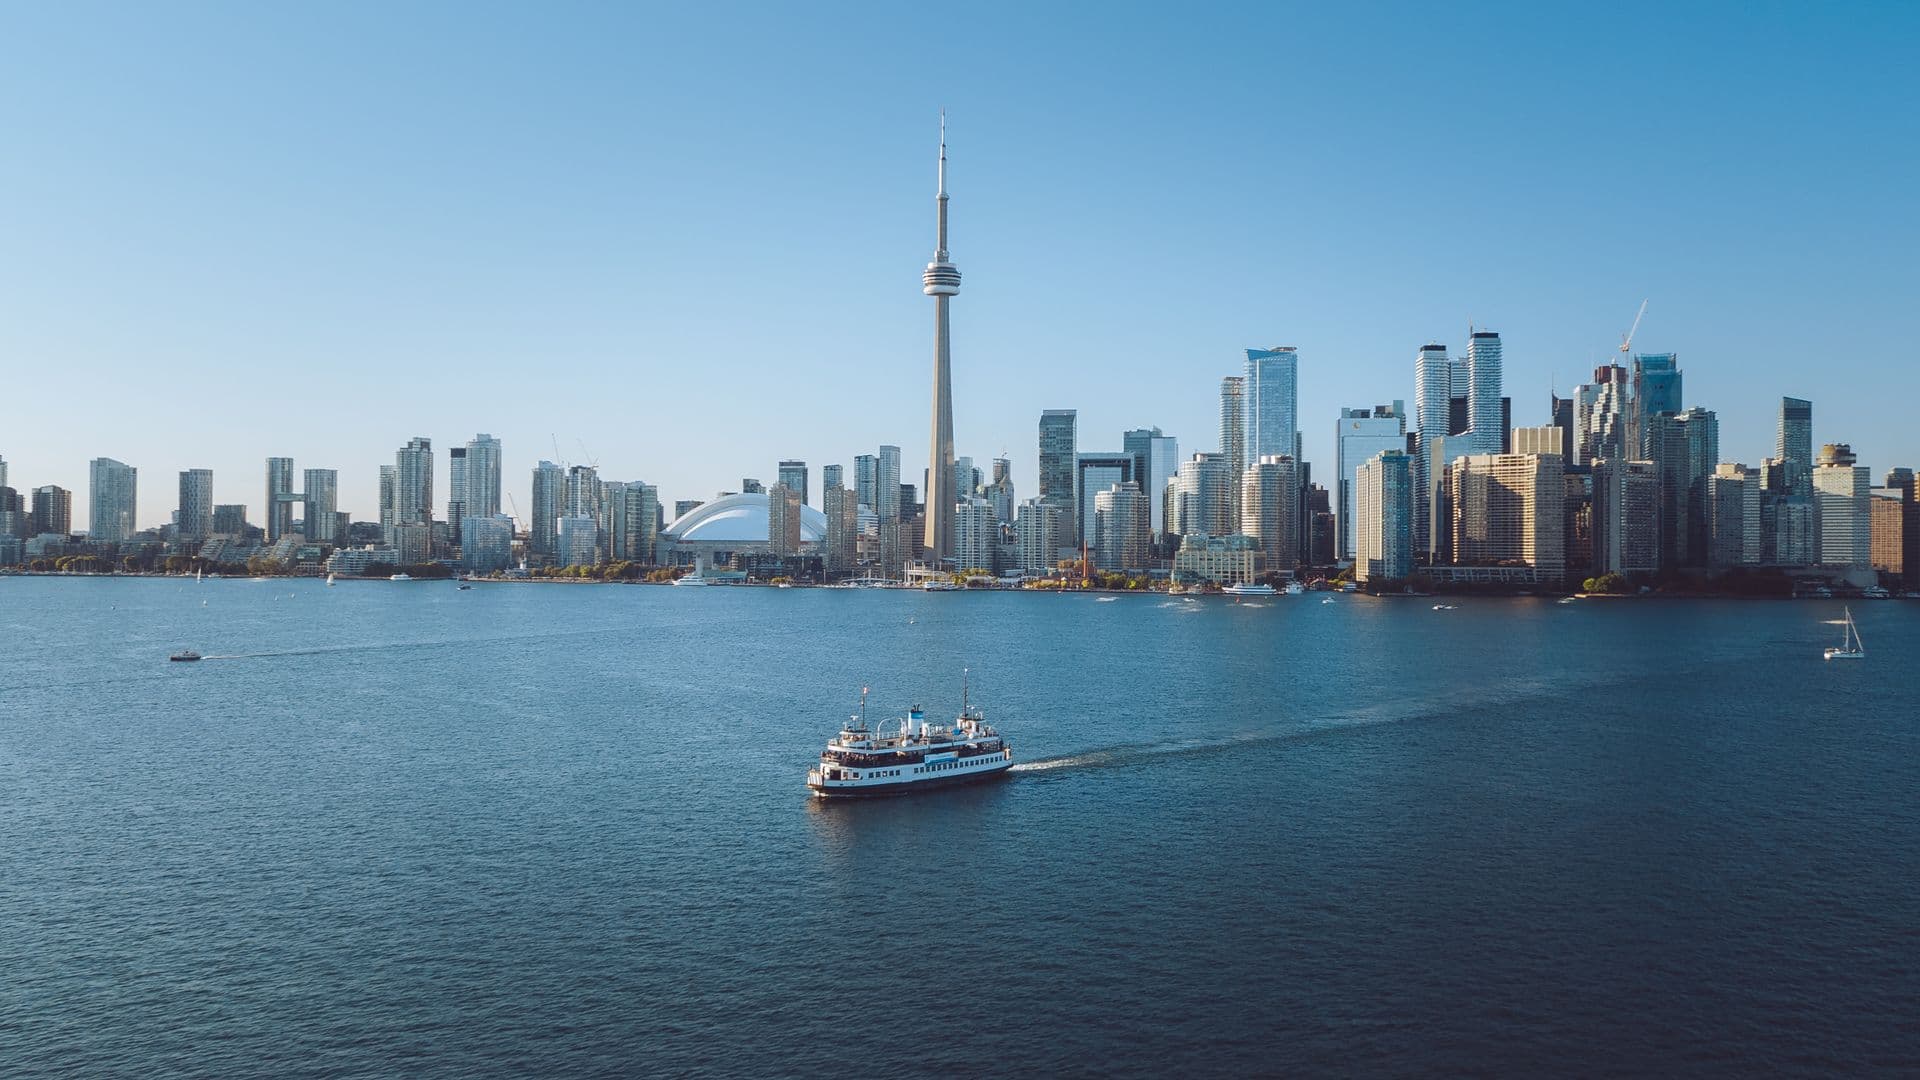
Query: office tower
[[53, 511], [890, 528], [1271, 390], [389, 493], [1702, 428], [1036, 527], [1122, 529], [832, 474], [1507, 510], [549, 504], [966, 479], [1547, 439], [1233, 436], [751, 486], [1358, 436], [321, 506], [195, 519], [1000, 491], [1577, 513], [683, 507], [1887, 540], [413, 483], [111, 492], [794, 475], [942, 282], [1058, 452], [783, 521], [843, 522], [1733, 516], [1665, 440], [577, 539], [1319, 520], [1793, 443], [1197, 498], [280, 498], [1842, 514], [1486, 416], [1900, 482], [1626, 512], [456, 488], [483, 489], [1094, 473], [229, 519], [1563, 419], [1600, 417], [976, 534], [866, 480], [888, 493], [1269, 510], [486, 543], [1383, 517], [1656, 390], [1432, 422], [1156, 457]]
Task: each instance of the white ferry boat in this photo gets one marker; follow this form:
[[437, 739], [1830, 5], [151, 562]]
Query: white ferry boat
[[917, 756], [1250, 588]]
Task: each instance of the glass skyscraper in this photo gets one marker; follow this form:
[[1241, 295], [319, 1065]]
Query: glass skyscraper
[[1057, 456], [1272, 404], [1794, 443]]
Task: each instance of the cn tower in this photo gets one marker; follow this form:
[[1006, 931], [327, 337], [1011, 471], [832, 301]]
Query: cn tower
[[941, 281]]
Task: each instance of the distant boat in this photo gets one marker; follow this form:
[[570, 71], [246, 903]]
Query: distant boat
[[1294, 588], [1326, 599], [329, 578], [401, 577], [940, 586], [185, 655], [1850, 647], [464, 588], [1443, 607], [692, 579], [1248, 588]]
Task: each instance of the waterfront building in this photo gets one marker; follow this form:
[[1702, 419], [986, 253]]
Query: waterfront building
[[1600, 417], [1123, 530], [1702, 429], [1359, 435], [3, 472], [794, 475], [413, 543], [976, 534], [195, 520], [1656, 390], [112, 489], [1233, 437], [1094, 473], [1270, 510], [320, 505], [1796, 534], [1383, 517], [229, 519], [1432, 420], [1506, 511], [891, 528], [1562, 411], [1038, 533], [549, 505], [1887, 538], [578, 540], [280, 498], [456, 488], [389, 483], [1842, 514], [1156, 457], [842, 510], [1319, 522], [1793, 444], [1218, 560], [1577, 514], [15, 520], [1665, 439], [1270, 387], [486, 543], [1058, 454], [751, 486], [783, 521], [738, 529], [941, 280], [413, 483], [1197, 499], [483, 488], [354, 562], [1487, 412], [1733, 516]]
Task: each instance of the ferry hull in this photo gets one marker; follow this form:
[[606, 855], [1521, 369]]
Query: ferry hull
[[907, 787]]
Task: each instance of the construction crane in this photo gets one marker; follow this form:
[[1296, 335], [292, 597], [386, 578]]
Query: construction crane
[[1626, 339], [519, 523]]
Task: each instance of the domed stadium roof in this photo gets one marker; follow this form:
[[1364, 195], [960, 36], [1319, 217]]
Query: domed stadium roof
[[739, 519]]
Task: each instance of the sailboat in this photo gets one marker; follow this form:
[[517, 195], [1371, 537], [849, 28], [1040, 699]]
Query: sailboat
[[1850, 646], [329, 577]]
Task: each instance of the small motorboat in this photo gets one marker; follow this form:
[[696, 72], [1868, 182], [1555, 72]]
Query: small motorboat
[[465, 587], [185, 655]]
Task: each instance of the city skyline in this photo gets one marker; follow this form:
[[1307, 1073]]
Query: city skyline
[[404, 299]]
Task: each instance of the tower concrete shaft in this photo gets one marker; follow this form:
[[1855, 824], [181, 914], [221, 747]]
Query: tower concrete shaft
[[942, 282]]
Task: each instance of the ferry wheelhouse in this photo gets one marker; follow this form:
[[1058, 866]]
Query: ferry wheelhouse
[[915, 755]]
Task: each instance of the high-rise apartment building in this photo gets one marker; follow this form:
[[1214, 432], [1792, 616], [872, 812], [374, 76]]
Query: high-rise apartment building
[[1270, 387], [1197, 501], [280, 498], [389, 496], [1432, 422], [1887, 536], [1600, 417], [1665, 437], [890, 530], [1733, 516], [1036, 527], [843, 523], [52, 511], [1123, 532], [456, 488], [1359, 435], [1270, 510], [195, 518], [1058, 454], [549, 505], [1000, 491], [320, 506], [1156, 457], [486, 543], [1656, 390], [1507, 510], [976, 535], [1233, 436], [483, 488], [1793, 444], [229, 519], [577, 540], [783, 521], [1842, 512], [1094, 473], [413, 483], [1626, 514], [1486, 415], [112, 490], [1383, 517], [794, 475], [630, 520], [866, 480]]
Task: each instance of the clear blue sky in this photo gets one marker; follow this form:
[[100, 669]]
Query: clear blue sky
[[687, 240]]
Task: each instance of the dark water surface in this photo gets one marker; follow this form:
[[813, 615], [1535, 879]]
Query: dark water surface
[[403, 829]]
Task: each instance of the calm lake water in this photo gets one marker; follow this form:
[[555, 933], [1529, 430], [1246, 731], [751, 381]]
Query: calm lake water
[[405, 829]]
